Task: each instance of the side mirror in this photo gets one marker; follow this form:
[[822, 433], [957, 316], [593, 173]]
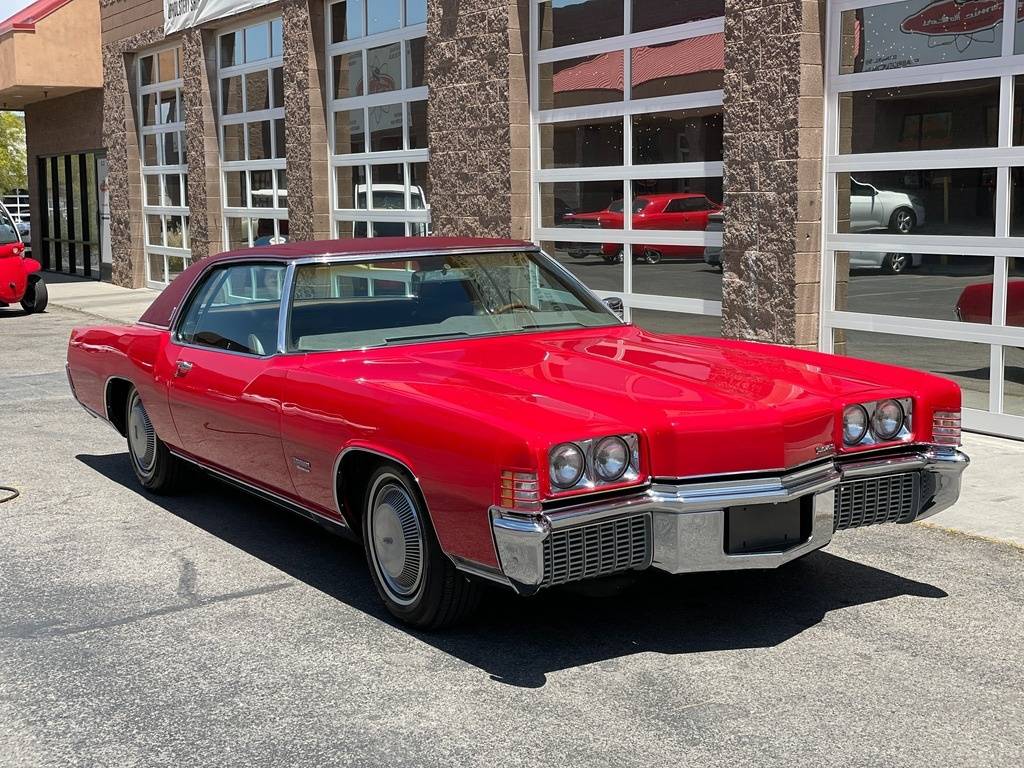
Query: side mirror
[[614, 303]]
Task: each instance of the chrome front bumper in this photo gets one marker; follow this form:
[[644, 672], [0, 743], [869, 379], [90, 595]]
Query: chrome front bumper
[[681, 527]]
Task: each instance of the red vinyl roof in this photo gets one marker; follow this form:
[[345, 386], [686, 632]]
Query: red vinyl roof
[[604, 72], [162, 308], [25, 19]]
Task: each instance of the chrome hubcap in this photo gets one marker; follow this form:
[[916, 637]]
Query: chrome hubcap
[[903, 221], [899, 261], [141, 437], [397, 541]]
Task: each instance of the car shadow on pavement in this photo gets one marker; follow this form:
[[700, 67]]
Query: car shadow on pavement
[[520, 641]]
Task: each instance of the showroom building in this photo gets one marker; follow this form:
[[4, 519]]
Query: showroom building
[[840, 174]]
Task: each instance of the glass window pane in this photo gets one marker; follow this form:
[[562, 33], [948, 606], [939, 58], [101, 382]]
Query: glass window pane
[[418, 138], [172, 189], [236, 189], [964, 362], [582, 204], [384, 68], [674, 205], [684, 136], [280, 142], [578, 82], [149, 150], [383, 15], [276, 38], [1015, 293], [351, 189], [238, 233], [414, 63], [419, 186], [169, 107], [1013, 373], [257, 91], [168, 65], [149, 101], [677, 323], [653, 14], [231, 49], [959, 201], [415, 12], [257, 42], [146, 74], [349, 132], [686, 66], [231, 95], [175, 266], [385, 128], [278, 73], [912, 33], [581, 143], [172, 148], [282, 188], [154, 230], [347, 20], [916, 285], [259, 140], [264, 232], [175, 232], [233, 147], [387, 187], [954, 115], [567, 22], [348, 75], [155, 268], [152, 185], [262, 189]]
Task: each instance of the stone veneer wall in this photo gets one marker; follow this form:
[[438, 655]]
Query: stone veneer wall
[[478, 117], [305, 121], [773, 124], [124, 176]]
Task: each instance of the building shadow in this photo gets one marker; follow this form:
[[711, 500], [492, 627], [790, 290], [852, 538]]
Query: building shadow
[[519, 641]]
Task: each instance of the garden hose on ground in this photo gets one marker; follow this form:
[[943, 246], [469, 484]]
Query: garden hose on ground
[[9, 494]]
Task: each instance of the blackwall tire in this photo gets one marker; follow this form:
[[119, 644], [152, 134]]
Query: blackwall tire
[[156, 468], [903, 221], [416, 581], [36, 297]]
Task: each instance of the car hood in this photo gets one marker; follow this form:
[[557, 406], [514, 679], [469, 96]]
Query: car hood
[[703, 406]]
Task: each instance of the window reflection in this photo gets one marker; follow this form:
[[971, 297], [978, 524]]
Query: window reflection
[[567, 22], [686, 66], [582, 143], [687, 136], [652, 14], [958, 201], [582, 81], [677, 323]]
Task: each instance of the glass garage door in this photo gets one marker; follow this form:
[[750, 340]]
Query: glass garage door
[[924, 196]]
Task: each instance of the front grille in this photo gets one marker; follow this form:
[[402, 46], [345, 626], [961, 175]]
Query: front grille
[[888, 499], [597, 549]]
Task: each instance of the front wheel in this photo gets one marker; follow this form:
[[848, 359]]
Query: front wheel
[[652, 256], [417, 583], [894, 263], [902, 221], [613, 258], [156, 468], [36, 297]]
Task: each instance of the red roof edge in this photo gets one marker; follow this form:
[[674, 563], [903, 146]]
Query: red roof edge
[[25, 20]]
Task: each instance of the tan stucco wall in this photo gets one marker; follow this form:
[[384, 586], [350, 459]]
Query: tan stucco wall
[[63, 51]]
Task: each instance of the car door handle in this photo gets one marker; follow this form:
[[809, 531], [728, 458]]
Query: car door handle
[[184, 366]]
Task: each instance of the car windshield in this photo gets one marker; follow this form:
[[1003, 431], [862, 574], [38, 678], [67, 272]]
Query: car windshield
[[352, 305], [8, 231], [638, 205]]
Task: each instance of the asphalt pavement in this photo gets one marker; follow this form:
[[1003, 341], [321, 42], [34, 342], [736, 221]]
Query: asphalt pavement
[[213, 629]]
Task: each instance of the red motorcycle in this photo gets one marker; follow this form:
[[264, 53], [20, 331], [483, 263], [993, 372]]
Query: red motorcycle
[[19, 278]]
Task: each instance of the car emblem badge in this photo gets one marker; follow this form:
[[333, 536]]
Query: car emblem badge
[[824, 449]]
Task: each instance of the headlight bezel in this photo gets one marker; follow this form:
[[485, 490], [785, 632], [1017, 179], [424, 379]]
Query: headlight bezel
[[591, 479], [873, 436], [856, 408], [580, 473]]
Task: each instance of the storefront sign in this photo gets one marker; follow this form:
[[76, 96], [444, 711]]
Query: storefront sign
[[182, 14], [950, 17]]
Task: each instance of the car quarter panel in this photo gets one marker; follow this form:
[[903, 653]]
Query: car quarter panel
[[138, 354]]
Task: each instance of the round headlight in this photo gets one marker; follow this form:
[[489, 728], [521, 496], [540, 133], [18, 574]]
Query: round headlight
[[855, 424], [566, 466], [611, 458], [887, 420]]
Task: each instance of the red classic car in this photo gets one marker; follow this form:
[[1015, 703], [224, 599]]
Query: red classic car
[[19, 281], [975, 303], [675, 211], [472, 413]]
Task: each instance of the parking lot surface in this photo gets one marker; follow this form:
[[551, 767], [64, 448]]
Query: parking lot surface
[[213, 629]]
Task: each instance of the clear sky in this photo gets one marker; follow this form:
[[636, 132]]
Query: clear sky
[[10, 7]]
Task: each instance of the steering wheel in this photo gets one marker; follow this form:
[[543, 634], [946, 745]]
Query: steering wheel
[[506, 308]]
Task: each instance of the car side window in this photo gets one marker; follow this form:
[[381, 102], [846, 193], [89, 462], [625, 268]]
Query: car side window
[[236, 309], [8, 231], [686, 205]]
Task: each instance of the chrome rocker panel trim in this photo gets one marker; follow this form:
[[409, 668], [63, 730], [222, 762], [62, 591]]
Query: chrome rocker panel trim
[[688, 519]]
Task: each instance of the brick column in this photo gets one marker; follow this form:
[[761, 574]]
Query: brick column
[[121, 140], [305, 121], [478, 117], [773, 115], [199, 72]]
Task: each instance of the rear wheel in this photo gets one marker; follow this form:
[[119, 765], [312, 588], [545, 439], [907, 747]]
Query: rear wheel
[[902, 221], [417, 583], [36, 297], [651, 256], [894, 263], [613, 258], [155, 467]]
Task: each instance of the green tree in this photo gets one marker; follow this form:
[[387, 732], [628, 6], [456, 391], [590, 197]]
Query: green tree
[[13, 162]]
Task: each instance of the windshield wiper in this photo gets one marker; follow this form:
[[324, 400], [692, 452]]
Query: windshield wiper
[[535, 326], [421, 337]]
